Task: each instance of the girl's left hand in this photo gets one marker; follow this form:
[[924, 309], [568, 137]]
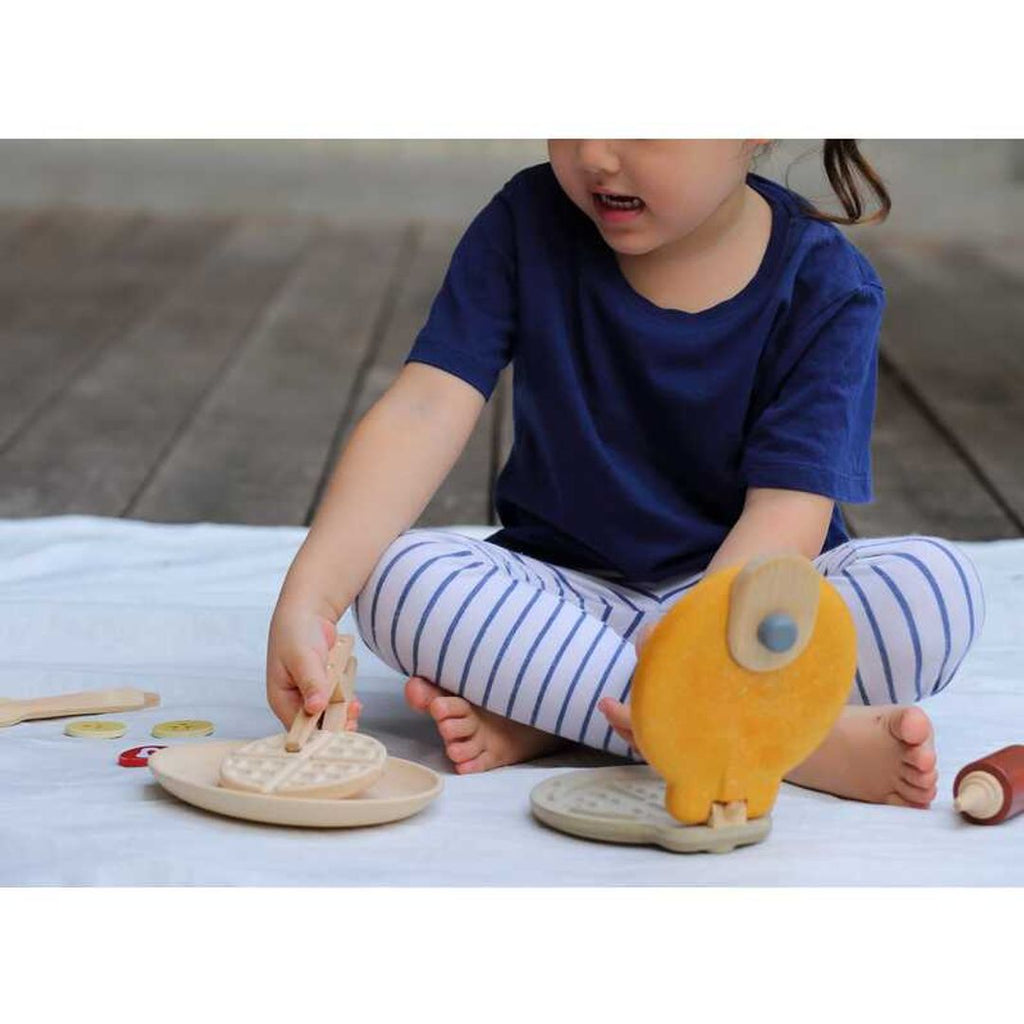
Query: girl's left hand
[[618, 717]]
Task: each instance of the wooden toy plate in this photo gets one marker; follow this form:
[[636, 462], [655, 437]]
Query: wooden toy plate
[[627, 805], [191, 772]]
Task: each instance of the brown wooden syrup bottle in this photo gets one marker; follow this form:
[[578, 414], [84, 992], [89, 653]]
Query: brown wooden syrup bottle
[[991, 789]]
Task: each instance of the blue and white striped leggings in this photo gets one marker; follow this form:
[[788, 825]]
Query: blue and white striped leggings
[[542, 645]]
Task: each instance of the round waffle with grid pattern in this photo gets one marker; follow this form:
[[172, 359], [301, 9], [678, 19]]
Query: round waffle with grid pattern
[[330, 764]]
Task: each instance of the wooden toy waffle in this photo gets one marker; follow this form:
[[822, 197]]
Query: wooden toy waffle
[[330, 764], [317, 764]]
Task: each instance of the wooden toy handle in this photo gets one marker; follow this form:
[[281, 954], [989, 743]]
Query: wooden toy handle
[[773, 604], [728, 814], [341, 671], [336, 714], [301, 729], [88, 702]]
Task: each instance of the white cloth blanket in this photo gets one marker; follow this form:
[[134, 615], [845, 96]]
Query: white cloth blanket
[[183, 610]]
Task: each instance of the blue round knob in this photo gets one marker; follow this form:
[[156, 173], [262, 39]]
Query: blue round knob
[[777, 632]]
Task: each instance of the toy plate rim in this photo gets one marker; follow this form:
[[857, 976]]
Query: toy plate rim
[[190, 773]]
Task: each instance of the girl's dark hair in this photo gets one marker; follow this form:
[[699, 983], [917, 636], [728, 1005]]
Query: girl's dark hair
[[843, 162]]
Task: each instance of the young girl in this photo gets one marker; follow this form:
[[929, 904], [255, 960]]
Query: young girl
[[695, 350]]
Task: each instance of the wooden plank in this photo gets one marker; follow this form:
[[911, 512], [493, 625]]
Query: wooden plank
[[81, 298], [922, 485], [42, 254], [44, 236], [256, 450], [464, 497], [14, 222], [96, 447], [953, 330]]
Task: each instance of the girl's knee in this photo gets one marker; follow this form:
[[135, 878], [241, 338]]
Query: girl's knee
[[961, 603], [925, 607], [969, 579], [396, 565], [403, 589], [360, 615], [966, 615]]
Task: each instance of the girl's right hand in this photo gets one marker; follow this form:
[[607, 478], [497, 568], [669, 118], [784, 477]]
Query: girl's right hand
[[297, 648]]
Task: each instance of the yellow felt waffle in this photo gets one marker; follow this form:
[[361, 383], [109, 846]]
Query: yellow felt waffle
[[738, 683]]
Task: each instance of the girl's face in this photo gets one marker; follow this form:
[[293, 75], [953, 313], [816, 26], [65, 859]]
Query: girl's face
[[645, 193]]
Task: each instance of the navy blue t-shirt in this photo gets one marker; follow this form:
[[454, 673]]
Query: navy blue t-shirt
[[638, 429]]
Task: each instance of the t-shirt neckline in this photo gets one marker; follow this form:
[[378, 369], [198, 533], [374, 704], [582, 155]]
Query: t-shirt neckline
[[764, 275]]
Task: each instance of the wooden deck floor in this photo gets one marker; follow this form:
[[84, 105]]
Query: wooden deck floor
[[181, 369]]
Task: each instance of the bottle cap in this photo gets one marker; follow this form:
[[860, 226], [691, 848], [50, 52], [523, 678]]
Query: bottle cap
[[980, 795]]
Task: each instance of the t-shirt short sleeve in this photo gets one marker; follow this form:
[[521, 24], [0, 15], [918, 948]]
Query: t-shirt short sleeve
[[469, 331], [812, 431]]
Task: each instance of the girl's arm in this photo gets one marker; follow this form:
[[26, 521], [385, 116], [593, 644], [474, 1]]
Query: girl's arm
[[397, 457], [775, 520]]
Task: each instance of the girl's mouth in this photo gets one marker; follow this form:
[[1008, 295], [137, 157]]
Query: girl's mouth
[[617, 208]]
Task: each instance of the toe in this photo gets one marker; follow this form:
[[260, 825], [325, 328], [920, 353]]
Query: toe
[[449, 707], [457, 728], [419, 693], [896, 800], [465, 750], [911, 726], [921, 758], [485, 762], [914, 796], [910, 799], [915, 777]]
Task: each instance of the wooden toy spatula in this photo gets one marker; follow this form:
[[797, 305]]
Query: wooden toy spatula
[[341, 672], [89, 702]]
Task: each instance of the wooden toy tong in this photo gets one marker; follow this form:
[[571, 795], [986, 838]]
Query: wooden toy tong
[[341, 671], [90, 702]]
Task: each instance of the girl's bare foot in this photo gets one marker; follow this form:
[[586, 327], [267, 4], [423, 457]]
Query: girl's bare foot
[[882, 755], [476, 740]]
